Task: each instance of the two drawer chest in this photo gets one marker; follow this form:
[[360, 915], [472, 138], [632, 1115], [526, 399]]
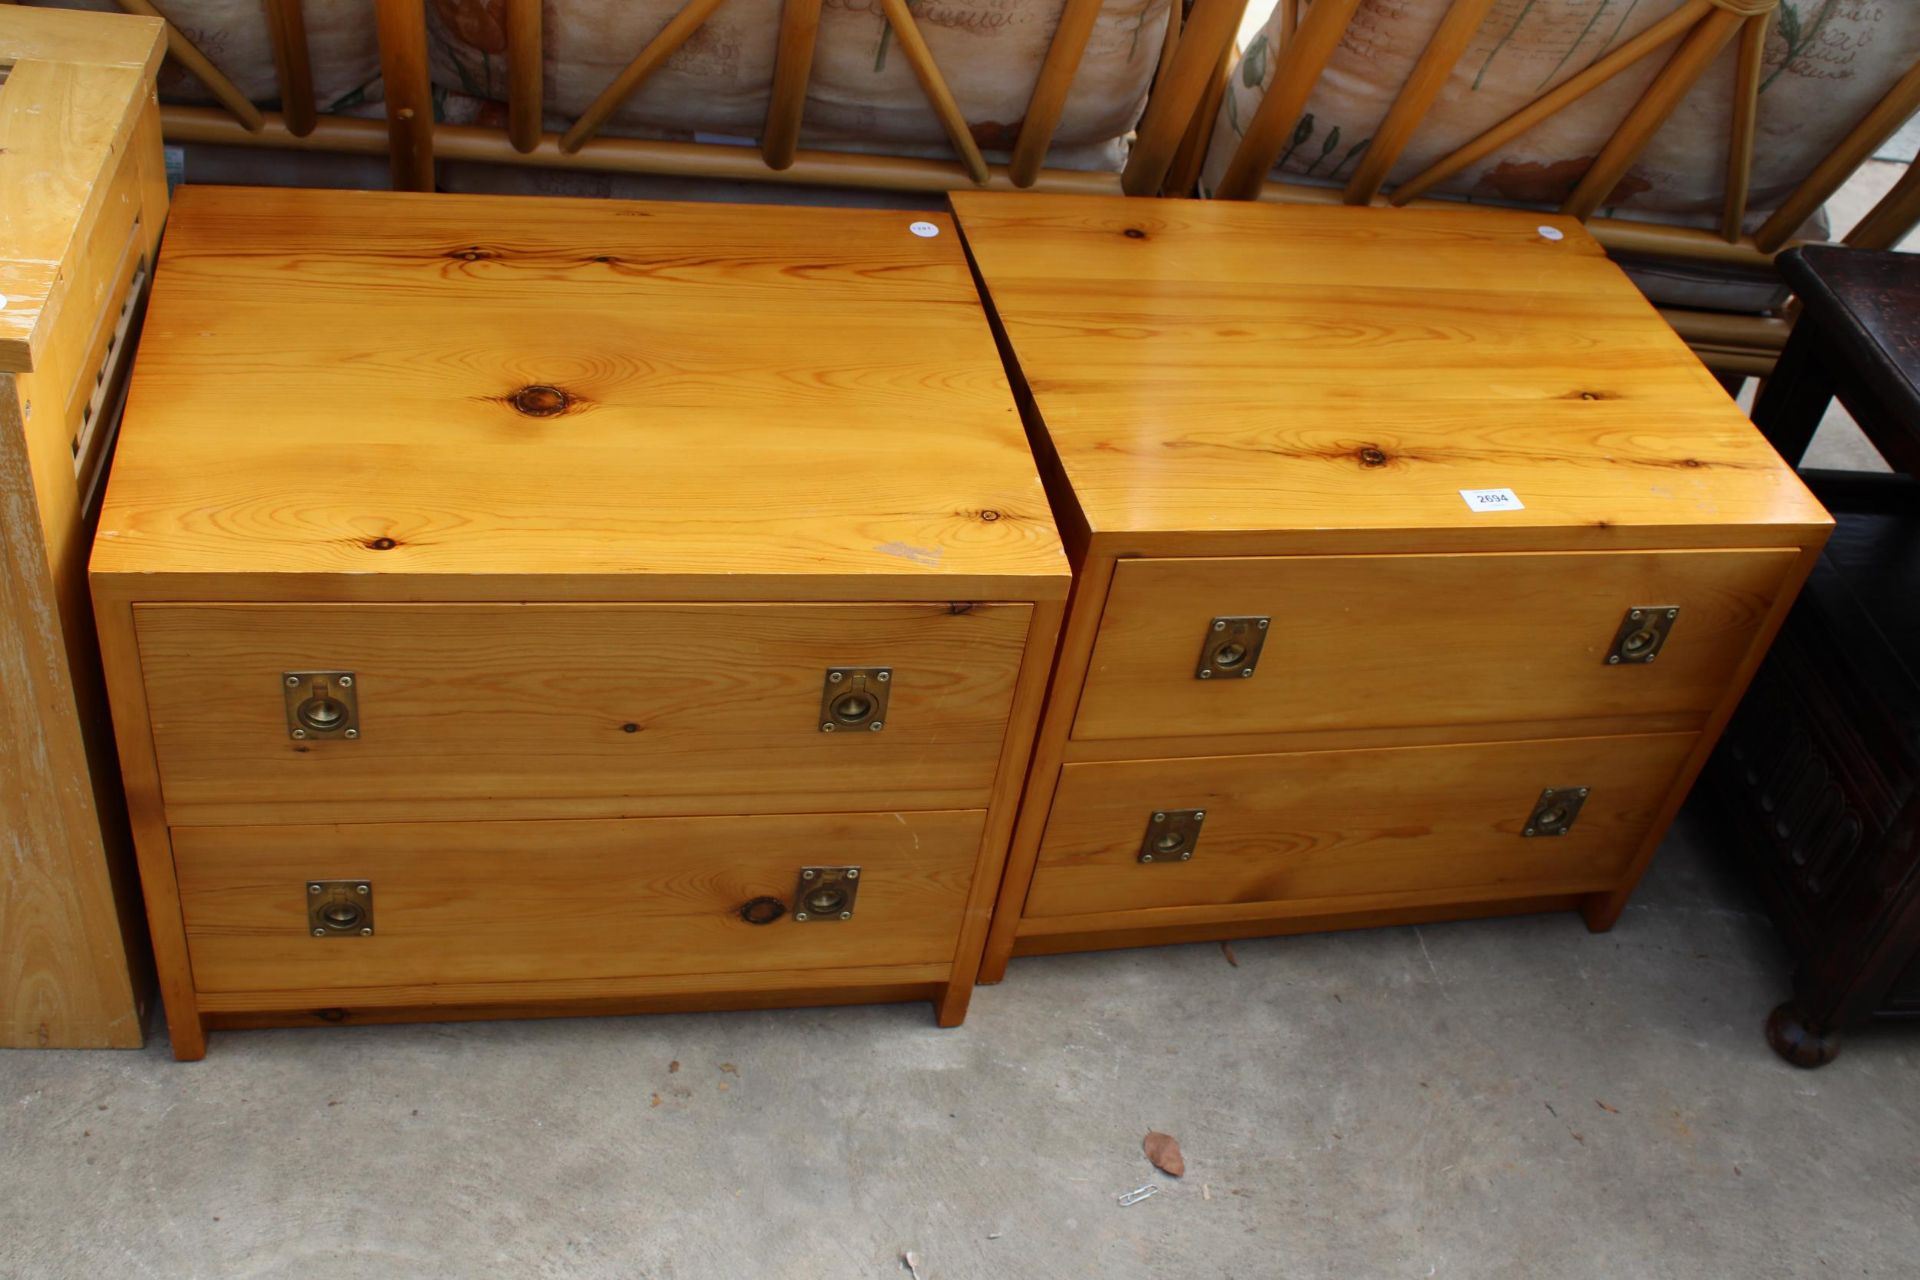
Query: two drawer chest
[[1418, 566], [517, 607]]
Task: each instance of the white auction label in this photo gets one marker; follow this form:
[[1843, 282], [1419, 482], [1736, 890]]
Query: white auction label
[[3, 302], [925, 230], [1551, 233], [1493, 500]]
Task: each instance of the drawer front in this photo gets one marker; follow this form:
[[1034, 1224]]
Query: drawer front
[[1345, 824], [1399, 641], [574, 710], [476, 902]]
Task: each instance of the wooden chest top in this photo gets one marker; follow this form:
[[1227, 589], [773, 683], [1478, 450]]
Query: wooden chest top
[[71, 89], [431, 396], [1338, 376]]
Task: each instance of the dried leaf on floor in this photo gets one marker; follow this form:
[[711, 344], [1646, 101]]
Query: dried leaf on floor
[[1164, 1150], [1226, 949], [1612, 1111]]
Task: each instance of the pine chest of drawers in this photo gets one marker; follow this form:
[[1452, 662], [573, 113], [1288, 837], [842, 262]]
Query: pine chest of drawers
[[1418, 565], [516, 606]]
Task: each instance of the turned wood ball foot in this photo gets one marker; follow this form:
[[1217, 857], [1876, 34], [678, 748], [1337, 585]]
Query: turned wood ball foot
[[1799, 1043]]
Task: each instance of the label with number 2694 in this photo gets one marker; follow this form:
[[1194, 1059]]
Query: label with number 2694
[[1493, 500]]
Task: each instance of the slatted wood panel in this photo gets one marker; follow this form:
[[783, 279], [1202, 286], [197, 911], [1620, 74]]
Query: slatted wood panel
[[1179, 114]]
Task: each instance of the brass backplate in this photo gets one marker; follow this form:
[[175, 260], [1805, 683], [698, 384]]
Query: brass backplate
[[1554, 812], [854, 699], [340, 908], [1231, 649], [321, 704], [825, 893], [1642, 633], [1171, 835]]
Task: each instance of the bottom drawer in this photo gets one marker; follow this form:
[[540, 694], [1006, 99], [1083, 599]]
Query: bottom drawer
[[1344, 824], [478, 902]]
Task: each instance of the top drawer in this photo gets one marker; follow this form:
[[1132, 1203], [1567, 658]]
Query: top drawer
[[1358, 642], [584, 710]]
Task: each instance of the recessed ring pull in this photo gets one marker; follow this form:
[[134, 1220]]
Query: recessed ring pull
[[855, 699], [1171, 835], [340, 908], [1231, 650], [1642, 633], [825, 893], [321, 704]]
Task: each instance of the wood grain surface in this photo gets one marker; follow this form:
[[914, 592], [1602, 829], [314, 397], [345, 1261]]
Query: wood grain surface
[[1334, 824], [574, 710], [482, 902], [1331, 378], [437, 393], [1361, 642], [75, 86], [65, 979]]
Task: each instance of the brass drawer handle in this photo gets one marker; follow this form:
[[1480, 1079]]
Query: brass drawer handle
[[321, 704], [825, 893], [1172, 835], [1642, 633], [855, 698], [1231, 649], [340, 908], [1555, 812]]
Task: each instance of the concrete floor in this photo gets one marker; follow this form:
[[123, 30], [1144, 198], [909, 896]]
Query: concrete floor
[[1511, 1098]]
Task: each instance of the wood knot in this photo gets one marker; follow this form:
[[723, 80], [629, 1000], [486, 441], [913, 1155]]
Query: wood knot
[[989, 515], [629, 727], [381, 544], [604, 257], [472, 253], [541, 401], [957, 607], [1134, 233], [762, 910], [1373, 457]]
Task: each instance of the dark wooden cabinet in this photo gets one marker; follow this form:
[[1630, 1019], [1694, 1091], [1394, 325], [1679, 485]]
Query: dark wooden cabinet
[[1818, 770]]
